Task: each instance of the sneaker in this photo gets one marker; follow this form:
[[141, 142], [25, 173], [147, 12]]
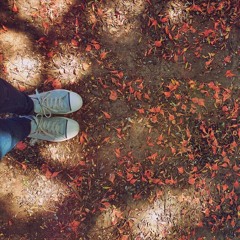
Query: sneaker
[[59, 101], [55, 129]]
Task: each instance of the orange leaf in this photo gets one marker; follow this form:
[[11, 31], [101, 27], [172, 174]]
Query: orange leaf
[[229, 74], [107, 115], [117, 152], [171, 117], [113, 95]]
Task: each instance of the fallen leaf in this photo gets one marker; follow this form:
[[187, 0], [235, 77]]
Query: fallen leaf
[[21, 145], [181, 170], [107, 115], [103, 55], [113, 95], [111, 177], [74, 42], [191, 180], [158, 43], [14, 8], [56, 84], [229, 74]]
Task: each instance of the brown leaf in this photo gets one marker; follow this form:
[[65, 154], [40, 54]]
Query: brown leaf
[[111, 177]]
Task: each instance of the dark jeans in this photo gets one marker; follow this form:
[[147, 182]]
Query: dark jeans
[[13, 130]]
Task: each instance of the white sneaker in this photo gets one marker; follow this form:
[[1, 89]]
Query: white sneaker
[[55, 129], [59, 101]]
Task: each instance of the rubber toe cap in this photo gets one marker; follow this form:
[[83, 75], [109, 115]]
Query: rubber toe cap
[[76, 101], [72, 128]]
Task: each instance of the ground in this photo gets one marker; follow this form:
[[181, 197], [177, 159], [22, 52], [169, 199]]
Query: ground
[[157, 155]]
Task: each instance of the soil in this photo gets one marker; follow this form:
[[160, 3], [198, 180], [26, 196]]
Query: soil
[[157, 154]]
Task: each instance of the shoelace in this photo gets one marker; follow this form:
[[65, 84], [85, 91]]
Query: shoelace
[[49, 104], [50, 128]]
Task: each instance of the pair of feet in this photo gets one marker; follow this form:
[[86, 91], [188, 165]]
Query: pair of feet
[[55, 129]]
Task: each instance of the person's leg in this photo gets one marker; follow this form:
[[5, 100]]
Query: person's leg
[[58, 101], [55, 129], [14, 101], [13, 130]]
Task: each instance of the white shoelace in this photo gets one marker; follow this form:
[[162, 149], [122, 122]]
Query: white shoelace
[[49, 104], [50, 128]]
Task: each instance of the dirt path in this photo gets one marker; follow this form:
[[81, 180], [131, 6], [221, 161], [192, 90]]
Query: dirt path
[[157, 154]]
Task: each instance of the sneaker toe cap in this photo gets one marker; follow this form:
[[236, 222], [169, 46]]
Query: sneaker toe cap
[[76, 101], [72, 128]]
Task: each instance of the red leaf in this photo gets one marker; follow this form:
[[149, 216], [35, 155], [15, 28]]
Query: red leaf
[[199, 101], [117, 152], [74, 225], [167, 94], [14, 9], [74, 42], [113, 95], [153, 156], [88, 48], [229, 74], [21, 145], [107, 115], [236, 184], [227, 59], [56, 84], [103, 55], [181, 170], [50, 54], [171, 117], [196, 8], [158, 43], [191, 180], [54, 174]]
